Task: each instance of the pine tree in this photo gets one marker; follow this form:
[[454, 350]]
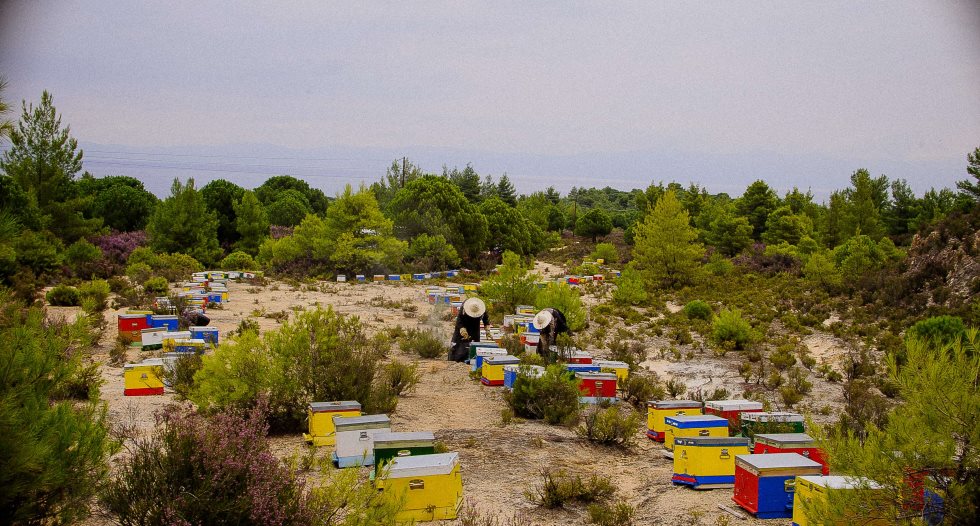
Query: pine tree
[[183, 223], [866, 200], [506, 191], [6, 125], [756, 204], [968, 188], [251, 222], [666, 250]]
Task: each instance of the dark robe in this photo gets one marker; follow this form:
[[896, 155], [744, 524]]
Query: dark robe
[[558, 325], [460, 346]]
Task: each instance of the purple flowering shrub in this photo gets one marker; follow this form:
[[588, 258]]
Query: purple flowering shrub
[[117, 246]]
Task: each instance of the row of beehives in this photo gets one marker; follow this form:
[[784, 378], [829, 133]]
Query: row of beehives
[[147, 377], [407, 467], [223, 275], [362, 278]]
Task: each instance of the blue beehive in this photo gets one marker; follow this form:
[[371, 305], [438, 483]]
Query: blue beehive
[[451, 273], [208, 334], [764, 484], [394, 277], [582, 368], [418, 277], [168, 322], [360, 277], [511, 372], [214, 297]]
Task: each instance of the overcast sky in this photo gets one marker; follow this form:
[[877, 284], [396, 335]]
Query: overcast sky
[[717, 93]]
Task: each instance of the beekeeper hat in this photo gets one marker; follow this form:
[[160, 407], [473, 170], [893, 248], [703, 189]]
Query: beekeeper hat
[[542, 319], [474, 307]]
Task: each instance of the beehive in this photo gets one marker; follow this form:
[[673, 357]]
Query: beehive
[[189, 345], [707, 462], [770, 422], [360, 277], [730, 410], [394, 277], [379, 277], [143, 379], [800, 443], [693, 426], [208, 334], [389, 446], [575, 368], [319, 417], [474, 346], [131, 325], [152, 338], [657, 410], [622, 369], [595, 387], [526, 310], [355, 438], [512, 371], [482, 353], [170, 338], [811, 493], [764, 484], [169, 322], [430, 486], [580, 357], [493, 369]]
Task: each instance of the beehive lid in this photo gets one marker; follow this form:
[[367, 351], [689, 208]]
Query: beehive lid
[[512, 367], [674, 404], [189, 341], [151, 330], [772, 417], [712, 441], [595, 376], [333, 407], [768, 463], [176, 335], [132, 316], [785, 439], [611, 364], [423, 465], [164, 317], [490, 351], [349, 423], [840, 482], [203, 329], [501, 360], [692, 421], [402, 439], [734, 405]]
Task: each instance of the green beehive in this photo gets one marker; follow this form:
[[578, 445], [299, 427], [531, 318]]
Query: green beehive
[[388, 446], [772, 422]]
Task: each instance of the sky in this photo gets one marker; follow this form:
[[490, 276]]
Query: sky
[[552, 93]]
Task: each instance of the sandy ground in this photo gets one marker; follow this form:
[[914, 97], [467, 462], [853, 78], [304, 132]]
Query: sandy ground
[[499, 462]]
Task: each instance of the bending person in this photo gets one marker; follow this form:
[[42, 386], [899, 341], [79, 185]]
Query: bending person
[[551, 322], [467, 329]]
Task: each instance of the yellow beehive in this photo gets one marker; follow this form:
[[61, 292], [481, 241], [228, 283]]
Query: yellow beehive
[[811, 493], [622, 369], [430, 486], [657, 410], [693, 426], [320, 419], [493, 369], [707, 462], [142, 379]]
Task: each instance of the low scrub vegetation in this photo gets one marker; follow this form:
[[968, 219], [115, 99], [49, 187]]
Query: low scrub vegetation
[[424, 343], [559, 488], [609, 426], [553, 397]]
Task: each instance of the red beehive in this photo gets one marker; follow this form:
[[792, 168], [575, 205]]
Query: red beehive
[[580, 357], [593, 386], [800, 443], [731, 410], [764, 484], [132, 325]]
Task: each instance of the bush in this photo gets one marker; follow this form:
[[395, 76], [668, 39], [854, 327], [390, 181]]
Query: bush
[[423, 343], [511, 286], [606, 252], [139, 272], [238, 261], [195, 470], [552, 397], [610, 426], [618, 514], [730, 329], [53, 451], [97, 292], [81, 256], [64, 296], [630, 289], [400, 377], [560, 487], [638, 389], [698, 310], [563, 297], [177, 267], [940, 330], [157, 286], [632, 352], [318, 355], [181, 375]]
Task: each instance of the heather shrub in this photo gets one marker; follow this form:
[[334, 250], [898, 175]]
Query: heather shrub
[[630, 351], [318, 355], [697, 310], [423, 343], [731, 330], [53, 449], [400, 377], [118, 246], [205, 470], [559, 487], [610, 426], [552, 397], [64, 296]]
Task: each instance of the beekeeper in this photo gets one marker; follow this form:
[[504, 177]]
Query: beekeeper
[[467, 329], [550, 322]]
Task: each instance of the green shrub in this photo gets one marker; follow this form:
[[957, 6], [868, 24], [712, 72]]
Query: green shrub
[[64, 296], [606, 252], [156, 286], [80, 256], [317, 355], [423, 343], [53, 451], [139, 272], [675, 387], [729, 328], [512, 285], [181, 375], [610, 426], [941, 330], [630, 351], [97, 292], [618, 514], [560, 487], [630, 289], [638, 389], [400, 377], [238, 260], [177, 267], [698, 310], [552, 397], [563, 297], [512, 344]]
